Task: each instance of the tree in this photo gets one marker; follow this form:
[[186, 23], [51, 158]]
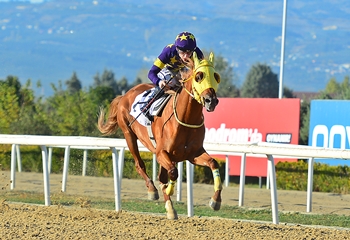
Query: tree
[[19, 113], [14, 82], [9, 107], [304, 123], [332, 86], [107, 79], [345, 84], [288, 93], [345, 89], [31, 118], [73, 84], [122, 86], [336, 90], [227, 87], [72, 114], [324, 95], [228, 80], [101, 95], [260, 82], [136, 82]]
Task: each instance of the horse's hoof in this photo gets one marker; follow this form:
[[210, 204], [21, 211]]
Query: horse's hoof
[[214, 204], [171, 213], [153, 195]]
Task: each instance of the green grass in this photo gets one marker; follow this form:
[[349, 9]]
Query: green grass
[[142, 205]]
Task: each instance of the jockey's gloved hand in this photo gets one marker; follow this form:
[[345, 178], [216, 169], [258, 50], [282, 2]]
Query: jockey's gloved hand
[[163, 83]]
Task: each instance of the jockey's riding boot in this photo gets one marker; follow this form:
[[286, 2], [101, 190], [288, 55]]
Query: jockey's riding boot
[[149, 116], [156, 94]]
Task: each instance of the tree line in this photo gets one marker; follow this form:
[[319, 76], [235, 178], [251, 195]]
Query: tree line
[[72, 110]]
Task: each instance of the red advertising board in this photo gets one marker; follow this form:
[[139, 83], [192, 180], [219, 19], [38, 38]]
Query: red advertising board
[[253, 120]]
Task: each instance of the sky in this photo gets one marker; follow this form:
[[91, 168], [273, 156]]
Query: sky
[[31, 1]]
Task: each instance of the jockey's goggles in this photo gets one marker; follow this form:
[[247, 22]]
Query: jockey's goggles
[[183, 51]]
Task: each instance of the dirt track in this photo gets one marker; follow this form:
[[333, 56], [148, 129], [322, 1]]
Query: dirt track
[[36, 222]]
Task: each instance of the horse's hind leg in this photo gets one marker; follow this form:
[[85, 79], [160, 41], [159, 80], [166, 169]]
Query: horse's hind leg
[[131, 140], [206, 160]]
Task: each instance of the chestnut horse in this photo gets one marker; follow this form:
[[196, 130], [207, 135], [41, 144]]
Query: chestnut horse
[[178, 131]]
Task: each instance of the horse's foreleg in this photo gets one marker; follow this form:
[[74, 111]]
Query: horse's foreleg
[[206, 160], [168, 173], [163, 181], [167, 186], [215, 201], [170, 186], [217, 179]]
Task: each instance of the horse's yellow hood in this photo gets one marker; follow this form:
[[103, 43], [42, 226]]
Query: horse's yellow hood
[[211, 78]]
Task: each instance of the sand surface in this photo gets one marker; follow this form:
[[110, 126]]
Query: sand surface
[[22, 221]]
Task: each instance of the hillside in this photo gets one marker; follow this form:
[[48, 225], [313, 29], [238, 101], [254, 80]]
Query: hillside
[[50, 40]]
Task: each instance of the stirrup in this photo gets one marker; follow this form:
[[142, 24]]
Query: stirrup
[[149, 116], [156, 94]]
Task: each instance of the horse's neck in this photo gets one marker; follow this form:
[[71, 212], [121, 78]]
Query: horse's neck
[[187, 108]]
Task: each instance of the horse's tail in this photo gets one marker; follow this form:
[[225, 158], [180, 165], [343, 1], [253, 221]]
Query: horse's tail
[[111, 125]]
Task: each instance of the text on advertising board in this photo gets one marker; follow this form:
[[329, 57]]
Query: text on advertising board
[[342, 133], [329, 127], [242, 120]]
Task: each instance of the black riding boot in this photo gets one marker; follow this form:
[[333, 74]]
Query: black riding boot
[[156, 94]]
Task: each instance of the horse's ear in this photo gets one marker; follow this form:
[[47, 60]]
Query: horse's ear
[[195, 59], [211, 58]]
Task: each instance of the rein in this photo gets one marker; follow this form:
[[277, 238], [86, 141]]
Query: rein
[[194, 92], [174, 107], [183, 86]]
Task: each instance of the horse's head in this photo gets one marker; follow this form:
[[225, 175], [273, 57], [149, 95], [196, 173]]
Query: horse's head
[[205, 82]]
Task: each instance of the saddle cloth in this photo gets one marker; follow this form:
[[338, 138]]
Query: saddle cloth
[[140, 101]]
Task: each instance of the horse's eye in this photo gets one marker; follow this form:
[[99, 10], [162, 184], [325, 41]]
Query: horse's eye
[[217, 77], [199, 77]]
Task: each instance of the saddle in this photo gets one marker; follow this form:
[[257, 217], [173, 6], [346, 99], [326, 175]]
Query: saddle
[[141, 101], [155, 109]]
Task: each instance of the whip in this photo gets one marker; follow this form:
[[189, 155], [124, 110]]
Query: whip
[[146, 108]]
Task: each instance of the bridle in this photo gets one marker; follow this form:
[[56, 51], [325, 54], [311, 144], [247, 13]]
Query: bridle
[[175, 102], [198, 87]]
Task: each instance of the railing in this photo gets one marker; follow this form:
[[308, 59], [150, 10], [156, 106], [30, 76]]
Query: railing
[[268, 149]]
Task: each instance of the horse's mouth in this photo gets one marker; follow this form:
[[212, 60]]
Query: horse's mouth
[[210, 103]]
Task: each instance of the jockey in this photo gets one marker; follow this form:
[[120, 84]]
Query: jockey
[[173, 58]]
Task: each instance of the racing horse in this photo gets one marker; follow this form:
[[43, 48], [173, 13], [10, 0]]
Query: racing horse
[[178, 132]]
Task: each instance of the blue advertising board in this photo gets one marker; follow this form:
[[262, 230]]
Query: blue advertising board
[[330, 126]]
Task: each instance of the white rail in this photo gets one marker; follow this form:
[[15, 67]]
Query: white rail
[[115, 145]]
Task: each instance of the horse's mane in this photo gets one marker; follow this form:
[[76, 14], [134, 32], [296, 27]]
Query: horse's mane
[[188, 70]]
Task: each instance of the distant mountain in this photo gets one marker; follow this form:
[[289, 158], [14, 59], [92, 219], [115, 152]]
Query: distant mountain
[[50, 40]]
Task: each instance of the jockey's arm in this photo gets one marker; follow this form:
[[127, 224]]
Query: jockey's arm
[[152, 75], [158, 65]]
